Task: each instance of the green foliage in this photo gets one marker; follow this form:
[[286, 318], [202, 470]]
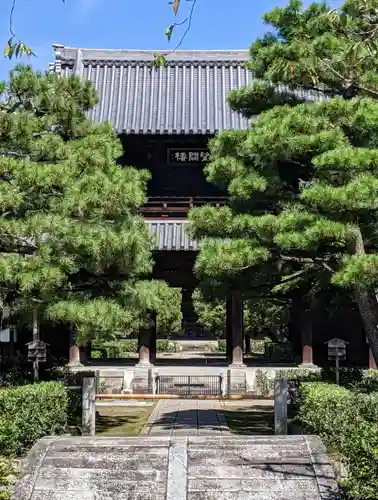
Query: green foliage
[[279, 352], [211, 314], [221, 345], [259, 314], [8, 472], [302, 180], [164, 300], [367, 383], [347, 422], [300, 374], [124, 347], [72, 244], [30, 412], [262, 383], [168, 346]]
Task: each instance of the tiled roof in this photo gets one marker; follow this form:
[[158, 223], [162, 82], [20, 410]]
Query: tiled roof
[[171, 235], [188, 95]]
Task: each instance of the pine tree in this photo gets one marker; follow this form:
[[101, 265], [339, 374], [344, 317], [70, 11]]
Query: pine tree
[[72, 244], [303, 180]]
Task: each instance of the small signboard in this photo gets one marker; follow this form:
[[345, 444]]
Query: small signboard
[[337, 348], [37, 351], [337, 351], [187, 156]]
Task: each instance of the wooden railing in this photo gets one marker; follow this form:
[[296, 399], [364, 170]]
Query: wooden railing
[[177, 205]]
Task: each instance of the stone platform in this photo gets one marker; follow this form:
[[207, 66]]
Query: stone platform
[[178, 468]]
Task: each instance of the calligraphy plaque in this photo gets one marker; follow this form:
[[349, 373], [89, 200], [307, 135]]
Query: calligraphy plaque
[[187, 156]]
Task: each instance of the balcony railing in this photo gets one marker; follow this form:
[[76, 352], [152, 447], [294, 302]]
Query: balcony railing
[[177, 205]]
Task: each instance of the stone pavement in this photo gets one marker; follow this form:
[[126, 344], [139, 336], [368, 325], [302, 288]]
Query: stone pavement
[[186, 417], [178, 468]]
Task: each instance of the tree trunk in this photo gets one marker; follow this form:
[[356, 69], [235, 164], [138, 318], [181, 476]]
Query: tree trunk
[[367, 303]]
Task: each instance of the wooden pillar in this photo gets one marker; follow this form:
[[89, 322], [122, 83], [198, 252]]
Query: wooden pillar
[[153, 338], [306, 338], [372, 363], [248, 343], [237, 330], [83, 350], [229, 328]]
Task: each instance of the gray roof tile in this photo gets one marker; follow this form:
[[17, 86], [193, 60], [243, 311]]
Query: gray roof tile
[[171, 235], [188, 95]]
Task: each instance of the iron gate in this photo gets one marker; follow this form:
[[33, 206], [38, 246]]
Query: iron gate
[[189, 385]]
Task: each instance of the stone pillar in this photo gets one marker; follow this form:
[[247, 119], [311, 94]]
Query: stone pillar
[[280, 406], [89, 407], [237, 331], [306, 338], [229, 328], [372, 363]]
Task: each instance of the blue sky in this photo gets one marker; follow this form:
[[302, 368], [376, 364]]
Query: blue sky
[[134, 24]]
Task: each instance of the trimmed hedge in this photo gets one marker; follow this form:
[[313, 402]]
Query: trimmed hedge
[[125, 347], [368, 382], [30, 412], [348, 423]]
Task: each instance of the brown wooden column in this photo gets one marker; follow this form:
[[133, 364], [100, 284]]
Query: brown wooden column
[[229, 328], [306, 338], [84, 354], [372, 363], [237, 330], [153, 337], [248, 343]]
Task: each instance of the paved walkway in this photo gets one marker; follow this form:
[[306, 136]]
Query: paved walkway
[[187, 418], [178, 468]]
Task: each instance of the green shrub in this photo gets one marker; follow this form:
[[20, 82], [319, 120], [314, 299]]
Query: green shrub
[[222, 345], [368, 382], [129, 346], [8, 474], [300, 374], [258, 347], [347, 422], [30, 412], [347, 376], [167, 345], [278, 352]]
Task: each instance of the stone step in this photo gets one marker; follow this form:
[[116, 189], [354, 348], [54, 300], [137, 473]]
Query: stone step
[[178, 468]]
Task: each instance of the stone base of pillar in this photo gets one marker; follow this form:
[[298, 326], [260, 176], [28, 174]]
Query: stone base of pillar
[[237, 365], [74, 357], [73, 364], [308, 365], [144, 364], [237, 360]]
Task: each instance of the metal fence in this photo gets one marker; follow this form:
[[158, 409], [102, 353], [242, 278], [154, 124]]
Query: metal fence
[[189, 385]]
